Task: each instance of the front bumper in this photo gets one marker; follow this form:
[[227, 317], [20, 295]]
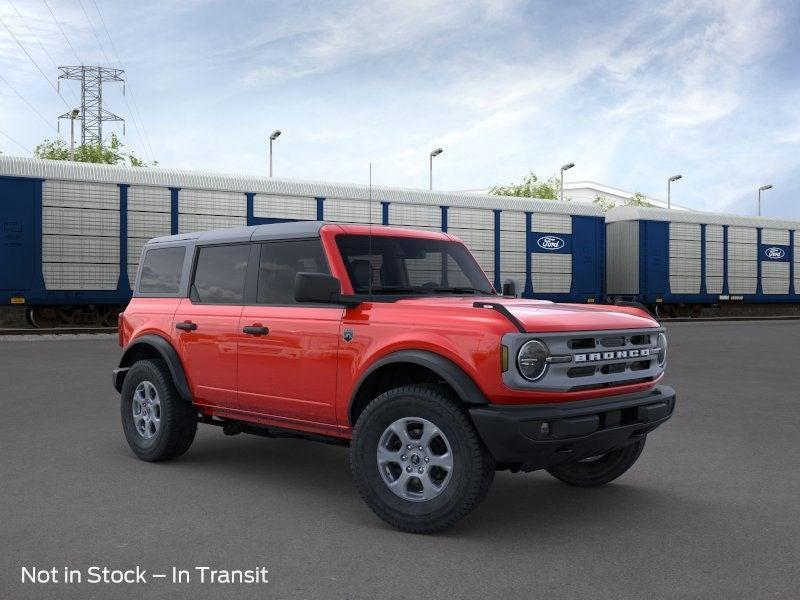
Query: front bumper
[[539, 436]]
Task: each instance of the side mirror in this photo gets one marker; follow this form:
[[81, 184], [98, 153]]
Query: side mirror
[[509, 289], [320, 288]]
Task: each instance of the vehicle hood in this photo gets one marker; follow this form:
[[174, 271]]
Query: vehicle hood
[[545, 316]]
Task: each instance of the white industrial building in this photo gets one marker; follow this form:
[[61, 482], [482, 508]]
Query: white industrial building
[[588, 191]]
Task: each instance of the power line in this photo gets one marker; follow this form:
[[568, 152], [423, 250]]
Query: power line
[[135, 115], [66, 39], [38, 41], [15, 141], [28, 54], [31, 106], [96, 37]]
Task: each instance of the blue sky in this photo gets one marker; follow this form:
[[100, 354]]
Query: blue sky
[[632, 92]]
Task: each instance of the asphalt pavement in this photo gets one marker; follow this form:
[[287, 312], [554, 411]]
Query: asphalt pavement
[[711, 510]]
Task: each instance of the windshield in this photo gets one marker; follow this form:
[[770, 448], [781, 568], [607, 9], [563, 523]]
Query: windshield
[[408, 266]]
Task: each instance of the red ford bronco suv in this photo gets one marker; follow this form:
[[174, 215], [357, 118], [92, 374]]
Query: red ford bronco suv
[[391, 341]]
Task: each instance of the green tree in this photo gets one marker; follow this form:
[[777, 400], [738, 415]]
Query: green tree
[[638, 199], [531, 187], [606, 204], [112, 153]]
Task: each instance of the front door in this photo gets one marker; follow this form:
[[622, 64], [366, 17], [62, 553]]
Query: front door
[[288, 351], [206, 325]]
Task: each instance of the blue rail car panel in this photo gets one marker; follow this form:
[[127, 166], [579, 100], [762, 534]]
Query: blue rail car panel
[[588, 256], [18, 230], [654, 259]]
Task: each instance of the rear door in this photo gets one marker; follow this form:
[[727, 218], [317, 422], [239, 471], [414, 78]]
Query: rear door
[[17, 245], [288, 351], [206, 325]]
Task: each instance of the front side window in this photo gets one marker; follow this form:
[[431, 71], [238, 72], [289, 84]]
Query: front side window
[[399, 265], [281, 261], [161, 270], [220, 274]]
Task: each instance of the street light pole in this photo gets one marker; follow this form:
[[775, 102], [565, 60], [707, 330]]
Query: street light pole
[[564, 168], [72, 116], [762, 189], [272, 138], [669, 189], [436, 152]]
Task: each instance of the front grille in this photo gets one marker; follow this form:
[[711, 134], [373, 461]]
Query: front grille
[[613, 342], [590, 360]]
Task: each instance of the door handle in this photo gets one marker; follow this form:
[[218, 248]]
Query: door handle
[[255, 330], [186, 326]]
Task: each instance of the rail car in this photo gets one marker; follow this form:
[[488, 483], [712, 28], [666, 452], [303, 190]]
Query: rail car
[[72, 233], [678, 262]]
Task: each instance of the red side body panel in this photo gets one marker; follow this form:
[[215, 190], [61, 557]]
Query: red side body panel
[[303, 375]]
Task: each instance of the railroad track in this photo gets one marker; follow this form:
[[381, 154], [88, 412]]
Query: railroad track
[[56, 330]]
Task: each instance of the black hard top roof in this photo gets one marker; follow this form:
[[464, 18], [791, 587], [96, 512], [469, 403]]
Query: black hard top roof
[[271, 231]]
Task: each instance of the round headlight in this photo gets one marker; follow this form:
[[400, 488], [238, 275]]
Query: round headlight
[[531, 360], [662, 349]]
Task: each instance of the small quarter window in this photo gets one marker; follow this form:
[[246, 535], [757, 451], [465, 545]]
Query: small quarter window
[[220, 274], [161, 270], [281, 261]]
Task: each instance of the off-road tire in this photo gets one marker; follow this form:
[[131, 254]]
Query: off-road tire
[[473, 467], [600, 471], [178, 417]]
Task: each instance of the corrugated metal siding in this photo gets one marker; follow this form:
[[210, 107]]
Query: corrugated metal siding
[[284, 207], [635, 213], [212, 202], [622, 257], [353, 211], [149, 216], [550, 223], [189, 223], [475, 228], [742, 260], [415, 215], [684, 258], [551, 273], [82, 219], [775, 236], [775, 277], [796, 252], [513, 245], [715, 270], [159, 177]]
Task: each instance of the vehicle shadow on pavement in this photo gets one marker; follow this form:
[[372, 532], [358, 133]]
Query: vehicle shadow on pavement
[[523, 503]]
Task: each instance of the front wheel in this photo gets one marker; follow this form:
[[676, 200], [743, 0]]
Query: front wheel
[[417, 460], [601, 469]]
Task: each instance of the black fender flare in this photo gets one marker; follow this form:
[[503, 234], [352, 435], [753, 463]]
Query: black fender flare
[[462, 384], [167, 352]]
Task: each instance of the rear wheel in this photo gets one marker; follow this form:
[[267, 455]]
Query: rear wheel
[[417, 460], [601, 469], [158, 423]]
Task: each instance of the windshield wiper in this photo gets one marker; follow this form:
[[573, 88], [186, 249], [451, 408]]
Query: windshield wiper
[[459, 290], [393, 289]]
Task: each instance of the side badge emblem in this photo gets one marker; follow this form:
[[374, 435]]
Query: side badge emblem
[[347, 335]]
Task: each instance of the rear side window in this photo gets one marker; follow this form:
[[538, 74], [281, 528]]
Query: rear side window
[[161, 270], [280, 262], [220, 274]]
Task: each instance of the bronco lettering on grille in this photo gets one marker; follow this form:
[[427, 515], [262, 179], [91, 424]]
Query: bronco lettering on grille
[[618, 354]]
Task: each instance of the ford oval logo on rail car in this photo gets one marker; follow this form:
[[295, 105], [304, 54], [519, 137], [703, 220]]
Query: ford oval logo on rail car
[[775, 253], [550, 242]]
